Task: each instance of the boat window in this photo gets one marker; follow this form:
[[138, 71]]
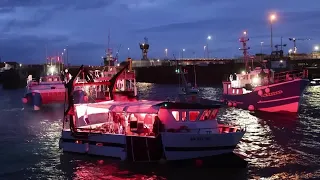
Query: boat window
[[213, 114], [193, 115], [205, 115], [175, 114], [183, 115]]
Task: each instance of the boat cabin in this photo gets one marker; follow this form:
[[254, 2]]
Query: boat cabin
[[144, 118], [50, 79], [245, 82]]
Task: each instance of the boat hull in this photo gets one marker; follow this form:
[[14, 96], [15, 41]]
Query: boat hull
[[282, 97], [167, 146], [37, 97]]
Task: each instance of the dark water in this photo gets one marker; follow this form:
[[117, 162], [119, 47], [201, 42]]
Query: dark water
[[276, 147]]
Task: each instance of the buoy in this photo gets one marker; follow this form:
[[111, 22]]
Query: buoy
[[36, 108], [85, 98], [251, 108], [267, 90], [234, 104], [25, 100], [260, 93], [229, 104]]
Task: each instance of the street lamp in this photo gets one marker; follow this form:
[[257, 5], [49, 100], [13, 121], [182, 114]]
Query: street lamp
[[208, 39], [204, 52], [183, 50], [128, 52], [261, 43], [272, 19], [316, 48], [166, 52]]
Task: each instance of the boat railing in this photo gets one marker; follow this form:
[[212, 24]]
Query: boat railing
[[290, 75]]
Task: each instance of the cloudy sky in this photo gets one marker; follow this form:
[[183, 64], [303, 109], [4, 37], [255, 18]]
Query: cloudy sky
[[27, 27]]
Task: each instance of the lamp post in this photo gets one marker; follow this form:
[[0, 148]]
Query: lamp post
[[128, 52], [166, 53], [204, 52], [208, 38], [272, 19], [261, 43], [183, 50]]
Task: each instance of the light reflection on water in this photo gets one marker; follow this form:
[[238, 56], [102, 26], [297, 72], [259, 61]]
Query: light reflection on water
[[275, 146]]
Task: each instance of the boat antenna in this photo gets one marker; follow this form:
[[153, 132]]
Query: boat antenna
[[244, 39]]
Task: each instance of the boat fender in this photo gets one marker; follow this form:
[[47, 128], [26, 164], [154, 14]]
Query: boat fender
[[231, 77], [184, 128], [267, 90], [25, 100], [229, 104], [36, 108], [85, 98], [260, 93], [60, 144], [234, 104], [251, 108], [87, 147]]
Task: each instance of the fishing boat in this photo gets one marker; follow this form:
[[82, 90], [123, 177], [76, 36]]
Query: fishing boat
[[187, 87], [92, 86], [261, 89], [49, 89], [146, 131]]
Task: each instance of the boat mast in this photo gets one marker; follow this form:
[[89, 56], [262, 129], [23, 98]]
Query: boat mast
[[244, 39], [195, 76]]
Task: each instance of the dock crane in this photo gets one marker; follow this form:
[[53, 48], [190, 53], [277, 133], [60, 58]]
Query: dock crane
[[294, 42]]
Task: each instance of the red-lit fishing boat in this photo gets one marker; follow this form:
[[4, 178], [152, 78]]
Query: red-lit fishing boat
[[262, 89], [145, 130], [49, 89]]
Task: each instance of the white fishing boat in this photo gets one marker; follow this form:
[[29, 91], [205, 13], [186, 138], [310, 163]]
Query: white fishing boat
[[147, 130]]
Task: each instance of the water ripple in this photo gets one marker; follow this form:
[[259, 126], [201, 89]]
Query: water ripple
[[276, 147]]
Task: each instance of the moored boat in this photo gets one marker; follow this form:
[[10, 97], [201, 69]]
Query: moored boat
[[49, 89], [147, 130], [264, 90]]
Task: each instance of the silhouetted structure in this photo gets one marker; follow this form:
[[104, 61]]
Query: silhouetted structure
[[144, 48]]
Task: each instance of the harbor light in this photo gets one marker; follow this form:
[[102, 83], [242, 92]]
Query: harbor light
[[209, 37], [316, 48], [243, 72], [52, 69], [20, 65], [273, 17], [256, 80], [281, 61], [118, 64]]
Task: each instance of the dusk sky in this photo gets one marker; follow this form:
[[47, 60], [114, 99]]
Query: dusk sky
[[28, 25]]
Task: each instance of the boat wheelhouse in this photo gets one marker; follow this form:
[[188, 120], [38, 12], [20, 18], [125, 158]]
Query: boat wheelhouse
[[148, 131], [124, 83], [48, 90], [264, 90]]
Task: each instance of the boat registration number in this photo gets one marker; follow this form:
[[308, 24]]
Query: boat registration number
[[200, 139]]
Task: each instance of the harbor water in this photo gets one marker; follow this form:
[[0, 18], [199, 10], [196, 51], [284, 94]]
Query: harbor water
[[275, 146]]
